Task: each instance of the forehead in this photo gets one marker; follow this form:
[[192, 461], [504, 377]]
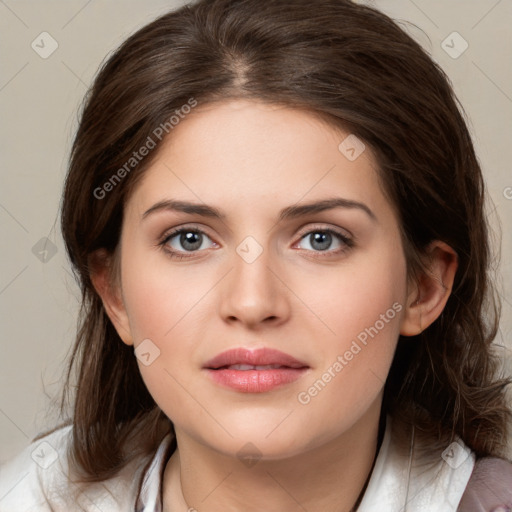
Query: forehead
[[250, 153]]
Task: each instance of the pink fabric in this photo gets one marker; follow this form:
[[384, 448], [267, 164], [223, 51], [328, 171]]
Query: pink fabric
[[490, 487]]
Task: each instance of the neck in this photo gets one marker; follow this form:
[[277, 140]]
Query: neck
[[329, 478]]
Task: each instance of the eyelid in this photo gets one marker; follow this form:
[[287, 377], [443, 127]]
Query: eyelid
[[187, 227], [325, 227]]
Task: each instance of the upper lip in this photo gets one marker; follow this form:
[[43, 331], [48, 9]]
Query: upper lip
[[254, 357]]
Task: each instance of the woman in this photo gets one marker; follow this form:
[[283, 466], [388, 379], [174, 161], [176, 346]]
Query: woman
[[323, 343]]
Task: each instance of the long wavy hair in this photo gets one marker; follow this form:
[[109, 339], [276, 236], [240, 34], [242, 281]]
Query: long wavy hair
[[355, 67]]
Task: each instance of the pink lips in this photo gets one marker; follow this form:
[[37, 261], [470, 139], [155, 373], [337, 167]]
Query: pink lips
[[280, 369]]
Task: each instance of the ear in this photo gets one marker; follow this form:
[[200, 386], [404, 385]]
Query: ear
[[427, 298], [100, 265]]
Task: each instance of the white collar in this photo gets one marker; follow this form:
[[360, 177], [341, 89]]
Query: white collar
[[401, 483], [398, 483]]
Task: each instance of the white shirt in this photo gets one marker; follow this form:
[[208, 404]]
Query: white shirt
[[36, 480]]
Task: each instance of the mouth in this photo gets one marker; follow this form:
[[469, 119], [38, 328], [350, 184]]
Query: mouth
[[246, 359], [245, 367], [254, 371]]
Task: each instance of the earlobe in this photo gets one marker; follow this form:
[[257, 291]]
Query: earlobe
[[428, 296], [100, 264]]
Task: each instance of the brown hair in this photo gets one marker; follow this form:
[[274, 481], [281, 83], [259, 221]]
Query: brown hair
[[357, 68]]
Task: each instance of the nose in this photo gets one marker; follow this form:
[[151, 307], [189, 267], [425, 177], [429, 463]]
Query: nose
[[254, 293]]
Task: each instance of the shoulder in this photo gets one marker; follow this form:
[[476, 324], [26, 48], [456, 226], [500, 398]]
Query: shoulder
[[23, 478], [490, 487], [38, 480]]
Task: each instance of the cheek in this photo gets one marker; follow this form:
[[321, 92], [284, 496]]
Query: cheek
[[160, 305], [165, 305], [361, 304], [159, 295], [360, 294]]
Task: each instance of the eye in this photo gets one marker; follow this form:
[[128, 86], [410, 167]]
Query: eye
[[321, 240], [184, 240]]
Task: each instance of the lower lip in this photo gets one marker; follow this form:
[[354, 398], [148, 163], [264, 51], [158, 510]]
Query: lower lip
[[256, 381]]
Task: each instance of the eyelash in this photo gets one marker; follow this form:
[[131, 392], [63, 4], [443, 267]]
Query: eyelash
[[348, 243]]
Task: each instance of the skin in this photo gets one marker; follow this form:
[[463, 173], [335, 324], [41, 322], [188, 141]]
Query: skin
[[250, 160]]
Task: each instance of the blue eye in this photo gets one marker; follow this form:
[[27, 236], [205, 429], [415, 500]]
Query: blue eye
[[320, 240], [191, 240]]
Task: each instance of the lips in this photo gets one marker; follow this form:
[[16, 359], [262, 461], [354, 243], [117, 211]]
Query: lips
[[252, 359], [254, 371]]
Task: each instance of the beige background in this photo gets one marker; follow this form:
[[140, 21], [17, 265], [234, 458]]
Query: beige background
[[39, 99]]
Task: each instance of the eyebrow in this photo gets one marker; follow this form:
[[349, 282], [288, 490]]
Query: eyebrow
[[290, 212]]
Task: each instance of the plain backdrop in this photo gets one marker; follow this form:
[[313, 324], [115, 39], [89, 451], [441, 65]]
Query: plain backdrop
[[39, 100]]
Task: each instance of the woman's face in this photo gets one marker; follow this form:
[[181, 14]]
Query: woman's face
[[325, 286]]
